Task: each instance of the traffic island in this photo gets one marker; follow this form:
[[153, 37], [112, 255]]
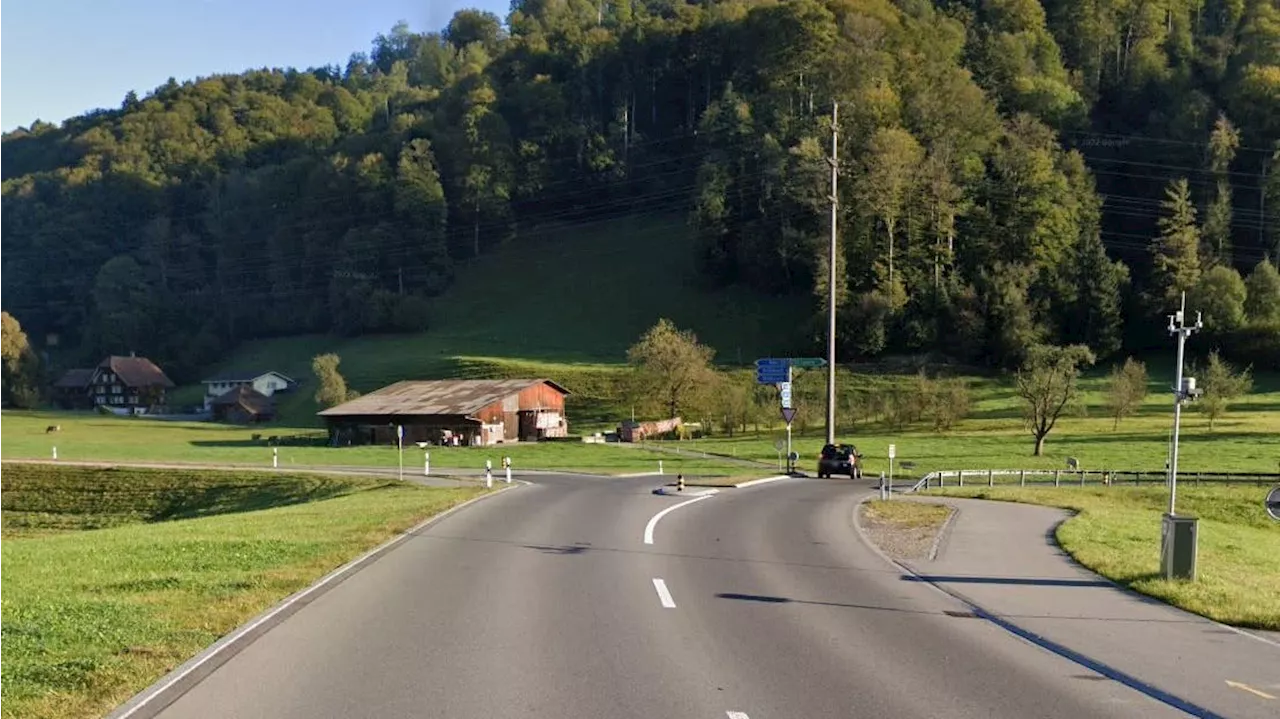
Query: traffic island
[[904, 529], [686, 492]]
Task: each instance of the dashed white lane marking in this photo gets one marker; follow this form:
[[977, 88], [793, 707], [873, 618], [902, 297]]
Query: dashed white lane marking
[[1247, 688], [648, 530], [663, 594], [738, 715]]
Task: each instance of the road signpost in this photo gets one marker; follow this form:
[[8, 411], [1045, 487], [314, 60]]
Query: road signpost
[[788, 414], [400, 448], [1273, 503], [893, 452], [773, 370], [784, 390]]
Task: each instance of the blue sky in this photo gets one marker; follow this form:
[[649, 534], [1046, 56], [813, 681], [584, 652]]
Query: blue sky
[[61, 58]]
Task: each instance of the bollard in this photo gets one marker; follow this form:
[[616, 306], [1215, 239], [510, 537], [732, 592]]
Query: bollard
[[275, 458], [679, 482], [488, 473], [426, 464], [55, 452], [506, 463]]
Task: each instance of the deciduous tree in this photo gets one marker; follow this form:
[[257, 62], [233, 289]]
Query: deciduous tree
[[671, 368], [21, 365], [331, 387], [1126, 388], [1047, 384], [1221, 384]]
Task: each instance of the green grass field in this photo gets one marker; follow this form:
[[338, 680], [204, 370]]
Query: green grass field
[[92, 617], [1247, 439], [1117, 534], [564, 302], [90, 437]]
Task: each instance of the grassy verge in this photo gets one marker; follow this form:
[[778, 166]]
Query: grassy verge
[[1117, 534], [92, 617], [903, 529], [911, 515]]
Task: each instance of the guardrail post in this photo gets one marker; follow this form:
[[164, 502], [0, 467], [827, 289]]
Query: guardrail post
[[1022, 478], [962, 478], [1083, 473], [991, 478], [1057, 478]]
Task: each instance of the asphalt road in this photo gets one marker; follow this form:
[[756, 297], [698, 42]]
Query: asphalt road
[[545, 601]]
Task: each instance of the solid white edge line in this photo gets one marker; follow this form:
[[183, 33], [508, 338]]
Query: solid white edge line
[[753, 482], [217, 648], [648, 530], [738, 715], [664, 595]]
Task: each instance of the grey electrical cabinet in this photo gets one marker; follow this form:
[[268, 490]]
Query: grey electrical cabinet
[[1179, 547]]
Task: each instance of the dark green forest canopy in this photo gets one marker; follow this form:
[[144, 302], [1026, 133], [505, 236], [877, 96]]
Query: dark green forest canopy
[[1004, 169]]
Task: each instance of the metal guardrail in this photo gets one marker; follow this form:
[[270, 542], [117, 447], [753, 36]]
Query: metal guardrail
[[1081, 477]]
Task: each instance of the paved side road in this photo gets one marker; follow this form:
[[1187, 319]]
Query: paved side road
[[574, 599], [1002, 556]]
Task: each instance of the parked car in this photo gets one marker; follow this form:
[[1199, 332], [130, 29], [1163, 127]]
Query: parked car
[[840, 459]]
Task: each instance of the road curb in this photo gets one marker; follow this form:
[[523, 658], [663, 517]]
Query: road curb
[[670, 492], [765, 480], [163, 692]]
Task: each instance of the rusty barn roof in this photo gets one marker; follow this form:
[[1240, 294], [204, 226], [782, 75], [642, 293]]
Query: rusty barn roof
[[454, 397]]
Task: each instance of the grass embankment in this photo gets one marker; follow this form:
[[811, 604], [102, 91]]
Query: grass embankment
[[519, 313], [1117, 534], [92, 617], [903, 529]]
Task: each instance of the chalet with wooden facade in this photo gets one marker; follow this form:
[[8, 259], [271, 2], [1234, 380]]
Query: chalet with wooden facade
[[265, 382], [131, 383], [470, 412]]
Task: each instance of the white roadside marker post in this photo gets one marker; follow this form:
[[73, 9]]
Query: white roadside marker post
[[488, 473]]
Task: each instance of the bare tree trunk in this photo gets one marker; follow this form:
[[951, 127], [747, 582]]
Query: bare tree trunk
[[1040, 444]]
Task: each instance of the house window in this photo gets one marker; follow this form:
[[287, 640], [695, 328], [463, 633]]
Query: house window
[[116, 389]]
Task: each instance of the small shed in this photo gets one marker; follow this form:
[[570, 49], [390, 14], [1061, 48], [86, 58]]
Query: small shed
[[243, 405], [477, 412], [71, 391]]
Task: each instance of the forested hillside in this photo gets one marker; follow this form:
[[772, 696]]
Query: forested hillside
[[1009, 171]]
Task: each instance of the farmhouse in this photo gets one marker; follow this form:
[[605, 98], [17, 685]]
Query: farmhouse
[[471, 412], [265, 383], [133, 384], [242, 405]]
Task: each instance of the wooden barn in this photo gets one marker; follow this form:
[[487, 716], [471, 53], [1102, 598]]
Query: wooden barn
[[465, 412]]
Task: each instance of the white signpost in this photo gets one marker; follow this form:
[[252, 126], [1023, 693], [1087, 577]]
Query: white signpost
[[893, 452], [400, 448]]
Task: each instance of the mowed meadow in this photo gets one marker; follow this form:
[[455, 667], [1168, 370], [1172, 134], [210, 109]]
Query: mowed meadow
[[115, 576], [992, 436]]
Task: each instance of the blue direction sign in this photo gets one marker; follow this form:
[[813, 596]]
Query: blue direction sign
[[772, 370]]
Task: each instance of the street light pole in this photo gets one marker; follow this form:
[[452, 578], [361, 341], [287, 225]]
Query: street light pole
[[1180, 393]]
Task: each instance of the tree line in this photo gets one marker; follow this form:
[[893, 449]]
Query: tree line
[[672, 375], [1011, 172]]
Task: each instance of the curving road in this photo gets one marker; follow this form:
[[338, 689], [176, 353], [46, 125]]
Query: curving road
[[545, 601]]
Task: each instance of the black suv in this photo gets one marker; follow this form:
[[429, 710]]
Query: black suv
[[840, 459]]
